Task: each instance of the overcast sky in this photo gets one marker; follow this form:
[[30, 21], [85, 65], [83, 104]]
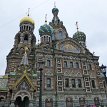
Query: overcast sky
[[90, 14]]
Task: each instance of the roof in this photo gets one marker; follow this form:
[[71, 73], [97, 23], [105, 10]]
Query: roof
[[27, 19]]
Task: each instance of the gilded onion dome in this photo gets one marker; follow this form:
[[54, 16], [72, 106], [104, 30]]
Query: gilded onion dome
[[27, 19], [45, 30]]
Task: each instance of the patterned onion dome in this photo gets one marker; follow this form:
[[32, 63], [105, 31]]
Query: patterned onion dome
[[45, 30], [55, 10], [27, 19], [79, 36]]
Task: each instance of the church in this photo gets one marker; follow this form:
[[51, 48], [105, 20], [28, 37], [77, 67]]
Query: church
[[58, 72]]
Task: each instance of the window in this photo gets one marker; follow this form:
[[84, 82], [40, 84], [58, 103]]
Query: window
[[1, 99], [58, 65], [86, 79], [65, 64], [71, 64], [79, 83], [48, 63], [69, 102], [59, 88], [41, 39], [49, 39], [48, 82], [49, 102], [87, 84], [73, 83], [46, 39], [26, 37], [93, 84], [59, 70], [60, 35], [88, 89], [58, 60], [59, 82], [59, 77], [89, 67], [104, 83], [77, 65], [85, 72], [66, 82], [84, 67]]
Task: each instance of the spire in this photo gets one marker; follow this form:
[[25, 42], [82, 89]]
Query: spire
[[77, 26], [25, 58], [46, 18]]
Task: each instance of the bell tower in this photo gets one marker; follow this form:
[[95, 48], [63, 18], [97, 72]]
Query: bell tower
[[24, 38]]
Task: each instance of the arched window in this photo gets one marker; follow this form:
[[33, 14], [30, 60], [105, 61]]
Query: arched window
[[76, 65], [93, 84], [1, 98], [96, 101], [49, 39], [69, 102], [65, 64], [49, 102], [79, 83], [27, 28], [67, 82], [24, 27], [44, 38], [48, 81], [26, 37], [41, 39], [82, 101]]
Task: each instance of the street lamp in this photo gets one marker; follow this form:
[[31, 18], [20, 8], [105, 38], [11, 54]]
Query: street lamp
[[41, 65]]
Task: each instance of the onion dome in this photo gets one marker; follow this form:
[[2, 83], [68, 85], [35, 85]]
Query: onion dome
[[27, 19], [45, 30], [79, 36], [55, 11]]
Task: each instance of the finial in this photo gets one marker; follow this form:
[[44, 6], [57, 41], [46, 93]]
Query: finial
[[54, 4], [28, 11], [77, 25], [45, 18]]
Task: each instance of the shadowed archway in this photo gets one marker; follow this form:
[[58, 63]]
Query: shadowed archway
[[26, 102], [20, 103]]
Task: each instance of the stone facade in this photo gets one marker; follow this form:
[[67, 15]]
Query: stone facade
[[71, 74]]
